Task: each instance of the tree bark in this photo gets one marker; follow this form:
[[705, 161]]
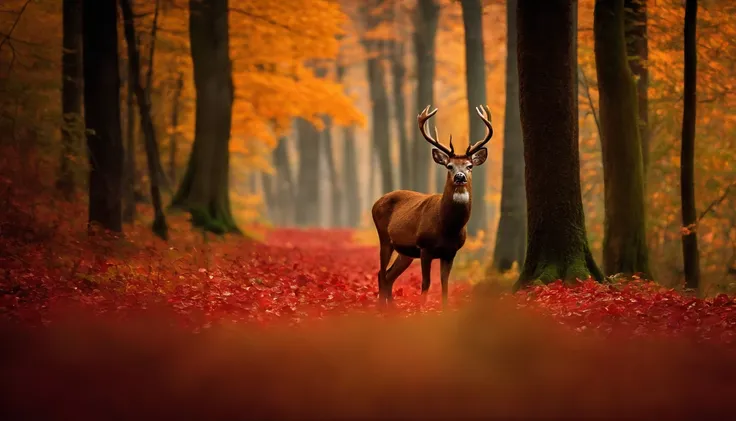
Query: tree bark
[[380, 129], [350, 170], [638, 52], [71, 95], [624, 235], [102, 113], [204, 191], [285, 191], [174, 138], [336, 187], [475, 71], [511, 235], [691, 257], [308, 211], [398, 73], [425, 22], [557, 247], [144, 107], [129, 170]]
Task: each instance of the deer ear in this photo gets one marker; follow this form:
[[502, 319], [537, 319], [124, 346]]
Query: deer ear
[[480, 157], [440, 157]]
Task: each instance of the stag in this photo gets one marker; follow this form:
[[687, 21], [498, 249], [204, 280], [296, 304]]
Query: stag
[[429, 226]]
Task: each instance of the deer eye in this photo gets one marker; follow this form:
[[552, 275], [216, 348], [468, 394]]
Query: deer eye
[[449, 166]]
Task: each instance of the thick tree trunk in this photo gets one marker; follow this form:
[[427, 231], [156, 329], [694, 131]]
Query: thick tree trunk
[[71, 94], [129, 170], [511, 235], [174, 138], [398, 73], [335, 185], [638, 52], [425, 21], [102, 113], [624, 236], [204, 191], [475, 71], [308, 209], [380, 130], [691, 257], [144, 106], [557, 247]]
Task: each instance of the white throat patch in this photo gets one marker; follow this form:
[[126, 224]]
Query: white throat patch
[[461, 197]]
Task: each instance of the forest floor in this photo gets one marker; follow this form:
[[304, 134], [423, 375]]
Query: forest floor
[[287, 327]]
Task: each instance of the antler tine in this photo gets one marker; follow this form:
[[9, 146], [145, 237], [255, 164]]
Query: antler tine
[[422, 120], [481, 110]]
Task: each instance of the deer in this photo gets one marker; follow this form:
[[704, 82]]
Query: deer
[[429, 226]]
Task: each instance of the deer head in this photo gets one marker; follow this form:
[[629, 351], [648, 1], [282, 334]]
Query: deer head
[[460, 166]]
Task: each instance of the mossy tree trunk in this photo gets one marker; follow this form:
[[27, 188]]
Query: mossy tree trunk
[[71, 95], [475, 74], [511, 235], [144, 107], [102, 113], [624, 235], [426, 19], [557, 247], [691, 257], [637, 46], [204, 190], [308, 210]]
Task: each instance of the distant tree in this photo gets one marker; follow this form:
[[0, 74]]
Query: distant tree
[[102, 113], [308, 197], [398, 76], [174, 137], [691, 257], [426, 18], [637, 47], [71, 93], [475, 76], [350, 169], [557, 245], [204, 190], [335, 180], [144, 106], [129, 161], [624, 236], [284, 189], [511, 235]]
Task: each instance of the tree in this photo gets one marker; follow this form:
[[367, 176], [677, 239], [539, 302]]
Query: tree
[[144, 107], [511, 235], [335, 187], [475, 71], [426, 18], [204, 190], [71, 93], [308, 211], [691, 258], [284, 185], [557, 246], [637, 47], [173, 139], [624, 235], [350, 169], [398, 75], [102, 113], [380, 122], [129, 166]]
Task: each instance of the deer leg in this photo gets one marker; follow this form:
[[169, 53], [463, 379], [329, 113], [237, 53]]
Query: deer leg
[[445, 268], [385, 254], [426, 260], [397, 268]]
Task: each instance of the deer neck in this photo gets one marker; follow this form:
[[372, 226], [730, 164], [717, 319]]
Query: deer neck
[[455, 205]]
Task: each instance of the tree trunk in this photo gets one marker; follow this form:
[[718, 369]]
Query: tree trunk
[[475, 71], [380, 132], [624, 235], [350, 170], [102, 113], [284, 184], [691, 258], [511, 235], [398, 73], [426, 19], [71, 95], [336, 188], [174, 138], [557, 246], [204, 191], [638, 53], [129, 172], [144, 106], [308, 211]]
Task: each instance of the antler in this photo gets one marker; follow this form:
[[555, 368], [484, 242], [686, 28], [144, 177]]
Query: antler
[[422, 120], [481, 110]]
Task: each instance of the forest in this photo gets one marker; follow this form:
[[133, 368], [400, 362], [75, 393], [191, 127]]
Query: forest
[[227, 209]]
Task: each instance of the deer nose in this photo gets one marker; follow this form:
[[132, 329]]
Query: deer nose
[[460, 178]]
